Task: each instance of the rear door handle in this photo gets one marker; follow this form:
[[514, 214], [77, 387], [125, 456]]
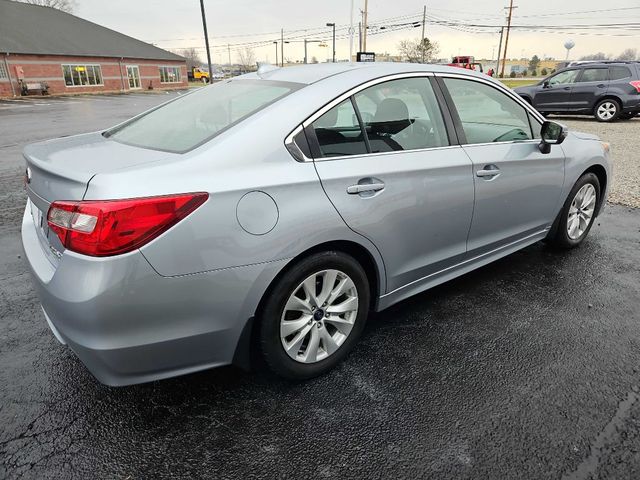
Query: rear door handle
[[488, 172], [364, 187]]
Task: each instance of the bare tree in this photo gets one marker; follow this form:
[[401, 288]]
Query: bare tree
[[192, 56], [628, 54], [247, 59], [596, 56], [413, 50], [64, 5]]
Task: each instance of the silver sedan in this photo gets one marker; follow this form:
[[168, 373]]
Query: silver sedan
[[272, 212]]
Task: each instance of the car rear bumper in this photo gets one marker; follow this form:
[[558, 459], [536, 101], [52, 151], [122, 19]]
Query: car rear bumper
[[128, 324]]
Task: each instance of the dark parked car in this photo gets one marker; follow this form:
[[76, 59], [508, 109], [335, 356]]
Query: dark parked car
[[607, 90]]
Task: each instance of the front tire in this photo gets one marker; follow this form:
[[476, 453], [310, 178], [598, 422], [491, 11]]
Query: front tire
[[314, 315], [607, 110], [578, 213]]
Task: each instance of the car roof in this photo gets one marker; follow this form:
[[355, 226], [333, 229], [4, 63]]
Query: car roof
[[312, 73]]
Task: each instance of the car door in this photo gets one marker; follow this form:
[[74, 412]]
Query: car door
[[517, 188], [590, 86], [397, 178], [554, 94]]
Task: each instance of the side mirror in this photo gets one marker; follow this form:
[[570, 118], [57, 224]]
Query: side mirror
[[552, 133], [545, 84]]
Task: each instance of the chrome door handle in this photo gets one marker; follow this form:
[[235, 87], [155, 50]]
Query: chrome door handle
[[488, 172], [364, 187]]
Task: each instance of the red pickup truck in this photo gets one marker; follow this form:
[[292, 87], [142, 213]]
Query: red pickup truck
[[466, 61]]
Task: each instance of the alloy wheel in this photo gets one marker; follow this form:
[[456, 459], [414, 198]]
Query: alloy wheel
[[319, 316], [581, 211], [607, 110]]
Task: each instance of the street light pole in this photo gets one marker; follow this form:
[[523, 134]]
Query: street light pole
[[333, 25], [282, 47], [206, 37], [276, 44], [305, 51]]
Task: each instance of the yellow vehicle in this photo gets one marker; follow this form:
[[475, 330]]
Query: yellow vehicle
[[196, 73]]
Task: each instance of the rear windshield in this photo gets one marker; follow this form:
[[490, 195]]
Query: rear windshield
[[193, 119]]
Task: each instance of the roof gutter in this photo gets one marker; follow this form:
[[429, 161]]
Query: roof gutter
[[6, 65]]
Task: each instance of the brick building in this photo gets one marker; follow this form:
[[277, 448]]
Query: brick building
[[71, 55]]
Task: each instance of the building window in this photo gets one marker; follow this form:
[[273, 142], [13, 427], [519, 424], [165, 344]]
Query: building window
[[3, 71], [82, 75], [169, 74]]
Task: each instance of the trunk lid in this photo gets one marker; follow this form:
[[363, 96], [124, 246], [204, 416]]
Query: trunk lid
[[61, 169]]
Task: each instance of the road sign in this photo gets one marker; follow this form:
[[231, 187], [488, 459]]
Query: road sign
[[366, 57]]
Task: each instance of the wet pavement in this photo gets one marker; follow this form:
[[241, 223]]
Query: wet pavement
[[526, 368]]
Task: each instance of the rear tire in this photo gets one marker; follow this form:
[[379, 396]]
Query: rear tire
[[314, 315], [578, 213], [607, 110]]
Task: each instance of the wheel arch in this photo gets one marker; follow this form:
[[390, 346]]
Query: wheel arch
[[607, 96], [356, 250], [600, 172]]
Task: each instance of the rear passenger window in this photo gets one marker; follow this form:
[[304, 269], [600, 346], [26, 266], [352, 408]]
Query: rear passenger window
[[594, 75], [338, 132], [618, 73], [401, 115], [488, 115]]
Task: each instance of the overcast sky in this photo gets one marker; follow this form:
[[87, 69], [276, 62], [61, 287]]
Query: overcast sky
[[175, 24]]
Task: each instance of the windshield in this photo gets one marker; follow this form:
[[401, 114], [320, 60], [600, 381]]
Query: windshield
[[193, 119]]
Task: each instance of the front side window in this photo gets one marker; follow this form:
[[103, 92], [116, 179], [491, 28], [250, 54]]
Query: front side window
[[401, 115], [563, 78], [488, 115], [82, 75], [339, 133], [193, 119], [594, 75], [169, 74]]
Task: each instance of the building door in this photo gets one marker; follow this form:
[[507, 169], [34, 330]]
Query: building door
[[133, 74]]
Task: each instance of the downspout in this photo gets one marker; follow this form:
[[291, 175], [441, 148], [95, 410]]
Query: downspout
[[121, 75], [6, 65]]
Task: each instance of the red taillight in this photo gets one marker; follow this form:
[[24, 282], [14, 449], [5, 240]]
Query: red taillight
[[636, 84], [101, 228]]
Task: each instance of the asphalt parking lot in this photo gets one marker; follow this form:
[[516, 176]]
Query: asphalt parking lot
[[526, 368]]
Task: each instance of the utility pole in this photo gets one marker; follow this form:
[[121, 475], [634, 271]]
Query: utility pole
[[282, 47], [351, 34], [333, 25], [206, 37], [305, 51], [506, 40], [364, 25], [229, 52], [276, 44], [424, 20], [499, 51], [359, 36]]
